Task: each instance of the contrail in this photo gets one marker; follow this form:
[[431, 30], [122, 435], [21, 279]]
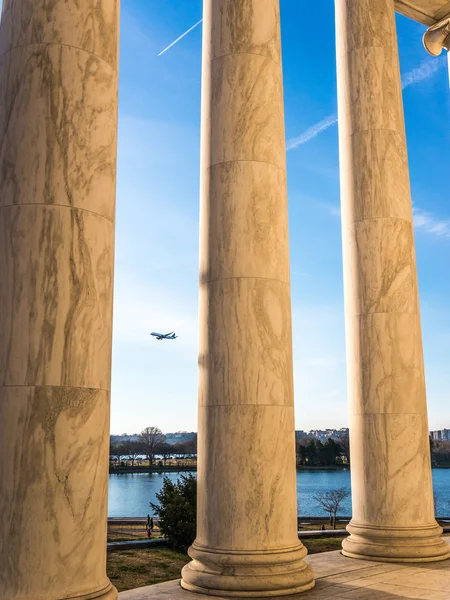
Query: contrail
[[426, 70], [181, 37], [312, 132]]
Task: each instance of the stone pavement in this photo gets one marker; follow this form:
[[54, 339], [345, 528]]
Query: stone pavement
[[338, 577]]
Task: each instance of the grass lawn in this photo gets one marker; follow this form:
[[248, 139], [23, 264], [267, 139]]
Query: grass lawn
[[323, 544], [130, 569]]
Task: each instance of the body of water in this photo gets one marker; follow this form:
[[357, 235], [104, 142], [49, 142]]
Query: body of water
[[130, 493]]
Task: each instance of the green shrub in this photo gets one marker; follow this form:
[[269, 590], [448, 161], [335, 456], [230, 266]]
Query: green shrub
[[177, 511]]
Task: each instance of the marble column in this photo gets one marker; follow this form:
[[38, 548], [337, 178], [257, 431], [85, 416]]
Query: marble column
[[393, 513], [247, 543], [58, 123]]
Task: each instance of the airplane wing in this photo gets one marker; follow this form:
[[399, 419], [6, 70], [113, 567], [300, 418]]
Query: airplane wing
[[170, 333]]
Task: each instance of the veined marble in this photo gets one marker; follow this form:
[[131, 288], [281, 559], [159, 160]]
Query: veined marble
[[89, 25], [54, 444], [379, 266], [247, 543], [56, 296], [247, 202], [254, 28], [243, 107], [58, 118], [246, 342], [58, 136], [392, 496], [385, 364], [381, 180], [250, 492]]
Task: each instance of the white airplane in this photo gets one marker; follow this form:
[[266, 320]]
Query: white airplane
[[164, 336]]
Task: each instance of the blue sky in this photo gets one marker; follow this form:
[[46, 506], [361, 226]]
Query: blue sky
[[156, 270], [155, 383]]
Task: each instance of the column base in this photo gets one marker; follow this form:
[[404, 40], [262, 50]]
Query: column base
[[107, 593], [247, 574], [395, 544]]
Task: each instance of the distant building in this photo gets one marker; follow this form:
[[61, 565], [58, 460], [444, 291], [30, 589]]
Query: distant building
[[124, 437], [441, 435], [179, 437], [324, 434]]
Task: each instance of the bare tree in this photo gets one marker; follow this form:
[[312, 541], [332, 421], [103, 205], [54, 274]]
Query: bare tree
[[133, 449], [118, 450], [189, 447], [151, 438], [165, 450], [330, 502]]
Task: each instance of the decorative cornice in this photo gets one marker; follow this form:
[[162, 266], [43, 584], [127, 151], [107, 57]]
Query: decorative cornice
[[409, 8], [437, 37]]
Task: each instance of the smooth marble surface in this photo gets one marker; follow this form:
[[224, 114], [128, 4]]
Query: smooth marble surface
[[247, 544], [58, 135], [392, 498], [338, 577]]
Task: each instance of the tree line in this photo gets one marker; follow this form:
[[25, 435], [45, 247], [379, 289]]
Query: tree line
[[311, 452], [440, 453], [151, 443]]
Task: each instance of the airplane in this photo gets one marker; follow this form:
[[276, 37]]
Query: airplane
[[164, 336]]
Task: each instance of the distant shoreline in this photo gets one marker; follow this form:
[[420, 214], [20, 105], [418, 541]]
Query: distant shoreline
[[154, 469], [192, 468]]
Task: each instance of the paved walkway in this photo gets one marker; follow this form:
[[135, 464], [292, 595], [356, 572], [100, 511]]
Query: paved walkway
[[339, 578]]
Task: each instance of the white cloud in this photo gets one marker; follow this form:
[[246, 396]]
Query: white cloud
[[428, 223], [426, 70]]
